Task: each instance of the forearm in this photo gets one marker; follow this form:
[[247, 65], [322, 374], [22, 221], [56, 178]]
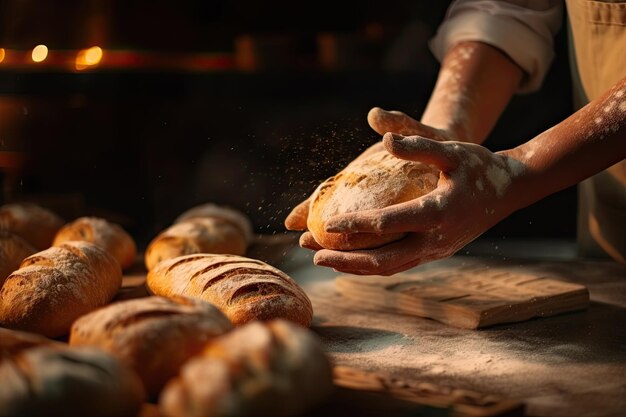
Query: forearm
[[475, 83], [592, 139]]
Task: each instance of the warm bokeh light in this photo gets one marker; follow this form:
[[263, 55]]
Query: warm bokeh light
[[2, 54], [88, 57], [40, 53]]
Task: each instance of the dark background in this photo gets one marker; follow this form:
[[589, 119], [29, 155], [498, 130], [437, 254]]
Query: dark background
[[140, 145]]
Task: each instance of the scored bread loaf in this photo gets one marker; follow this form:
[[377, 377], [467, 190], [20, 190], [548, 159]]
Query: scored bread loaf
[[207, 228], [13, 250], [45, 378], [374, 182], [244, 289], [260, 369], [35, 224], [54, 287], [109, 236], [198, 235], [154, 336]]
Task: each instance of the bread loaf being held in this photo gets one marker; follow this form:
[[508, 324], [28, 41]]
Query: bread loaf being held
[[37, 225], [45, 378], [260, 369], [153, 336], [374, 182], [243, 289], [13, 250], [109, 236], [54, 287]]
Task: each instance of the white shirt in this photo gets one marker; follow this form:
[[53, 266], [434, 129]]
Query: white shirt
[[522, 29]]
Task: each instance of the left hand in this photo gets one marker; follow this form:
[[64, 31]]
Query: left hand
[[473, 194]]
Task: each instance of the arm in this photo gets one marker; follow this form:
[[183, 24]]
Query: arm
[[478, 188]]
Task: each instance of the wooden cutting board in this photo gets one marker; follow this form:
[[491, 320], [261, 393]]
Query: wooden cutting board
[[469, 297]]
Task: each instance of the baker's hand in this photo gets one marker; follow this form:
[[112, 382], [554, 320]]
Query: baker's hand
[[472, 195], [381, 121]]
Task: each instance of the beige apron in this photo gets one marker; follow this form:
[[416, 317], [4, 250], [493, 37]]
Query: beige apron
[[598, 32]]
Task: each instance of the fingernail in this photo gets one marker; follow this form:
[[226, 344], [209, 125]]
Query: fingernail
[[393, 136]]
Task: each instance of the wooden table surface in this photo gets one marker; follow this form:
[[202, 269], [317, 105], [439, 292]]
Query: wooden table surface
[[570, 364]]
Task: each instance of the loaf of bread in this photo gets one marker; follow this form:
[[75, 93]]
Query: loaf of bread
[[244, 289], [154, 336], [377, 181], [260, 369], [54, 287], [13, 250], [35, 224], [228, 214], [198, 235], [45, 378], [109, 236]]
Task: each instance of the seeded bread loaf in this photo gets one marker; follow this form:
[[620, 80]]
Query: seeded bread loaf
[[54, 287], [13, 250], [45, 378], [244, 289], [35, 224], [153, 336], [374, 182], [260, 369], [109, 236]]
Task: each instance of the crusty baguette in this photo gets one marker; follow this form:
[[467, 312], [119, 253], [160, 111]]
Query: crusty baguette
[[196, 235], [377, 181], [260, 369], [109, 236], [244, 289], [154, 336], [54, 287], [35, 224], [228, 214], [41, 377], [13, 250]]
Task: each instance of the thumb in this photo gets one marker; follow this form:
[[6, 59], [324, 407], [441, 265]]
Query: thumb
[[383, 121], [415, 148], [296, 220]]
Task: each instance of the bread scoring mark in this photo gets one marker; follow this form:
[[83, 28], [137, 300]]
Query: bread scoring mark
[[37, 260], [256, 289], [232, 274]]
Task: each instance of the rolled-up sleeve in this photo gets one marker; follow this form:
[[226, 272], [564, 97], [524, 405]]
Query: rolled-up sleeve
[[524, 30]]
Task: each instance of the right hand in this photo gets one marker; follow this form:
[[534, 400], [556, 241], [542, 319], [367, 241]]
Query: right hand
[[382, 121]]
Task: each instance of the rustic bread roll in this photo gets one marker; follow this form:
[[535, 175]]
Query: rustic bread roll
[[13, 250], [260, 369], [54, 287], [228, 214], [109, 236], [197, 235], [377, 181], [244, 289], [35, 224], [45, 378], [154, 336]]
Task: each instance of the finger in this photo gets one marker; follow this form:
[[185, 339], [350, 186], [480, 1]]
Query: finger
[[383, 121], [418, 215], [390, 257], [307, 241], [416, 148], [296, 220]]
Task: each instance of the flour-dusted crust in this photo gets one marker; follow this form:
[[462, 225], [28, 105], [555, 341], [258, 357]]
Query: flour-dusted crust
[[244, 289], [54, 287], [196, 235], [109, 236], [41, 377], [260, 369], [13, 250], [37, 225], [375, 182], [154, 336], [210, 210]]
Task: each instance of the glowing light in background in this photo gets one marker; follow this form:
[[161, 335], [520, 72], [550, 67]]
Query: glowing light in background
[[40, 53], [88, 57], [2, 54]]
